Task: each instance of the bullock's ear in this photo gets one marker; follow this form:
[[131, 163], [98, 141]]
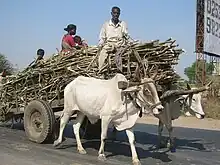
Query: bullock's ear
[[188, 87], [122, 85]]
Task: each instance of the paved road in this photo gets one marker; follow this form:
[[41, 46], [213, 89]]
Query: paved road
[[194, 147]]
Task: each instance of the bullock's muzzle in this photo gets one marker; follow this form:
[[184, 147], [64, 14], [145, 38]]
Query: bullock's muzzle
[[202, 116]]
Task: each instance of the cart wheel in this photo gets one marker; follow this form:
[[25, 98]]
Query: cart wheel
[[38, 121], [91, 131]]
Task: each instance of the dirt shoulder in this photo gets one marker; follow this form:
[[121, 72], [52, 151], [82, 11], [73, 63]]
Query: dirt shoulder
[[187, 122]]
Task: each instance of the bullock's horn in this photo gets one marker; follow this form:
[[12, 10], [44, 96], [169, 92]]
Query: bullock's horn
[[123, 84], [209, 83], [183, 92], [130, 84], [188, 87], [137, 73], [155, 73]]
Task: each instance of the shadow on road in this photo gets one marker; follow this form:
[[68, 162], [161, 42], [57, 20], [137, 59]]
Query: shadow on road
[[120, 149], [151, 139], [145, 143], [146, 139]]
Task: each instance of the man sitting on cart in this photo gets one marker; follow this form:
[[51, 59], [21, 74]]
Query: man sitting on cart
[[113, 34]]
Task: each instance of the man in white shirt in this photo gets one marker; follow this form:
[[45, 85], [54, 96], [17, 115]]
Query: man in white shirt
[[113, 34]]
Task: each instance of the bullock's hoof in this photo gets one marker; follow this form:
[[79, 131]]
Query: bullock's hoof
[[136, 162], [82, 151], [172, 149], [102, 157], [56, 143]]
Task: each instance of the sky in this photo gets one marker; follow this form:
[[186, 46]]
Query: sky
[[27, 25]]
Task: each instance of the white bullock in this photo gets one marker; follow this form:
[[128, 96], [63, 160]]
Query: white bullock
[[102, 99], [173, 107]]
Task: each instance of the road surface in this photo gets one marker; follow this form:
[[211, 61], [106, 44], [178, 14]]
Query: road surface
[[194, 147]]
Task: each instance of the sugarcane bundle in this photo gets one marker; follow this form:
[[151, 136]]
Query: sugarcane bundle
[[47, 78]]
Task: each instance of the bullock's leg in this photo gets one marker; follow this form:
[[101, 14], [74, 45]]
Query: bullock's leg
[[169, 127], [63, 121], [170, 143], [131, 139], [76, 127], [160, 130], [105, 122]]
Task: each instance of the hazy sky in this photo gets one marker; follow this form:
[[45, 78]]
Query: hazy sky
[[27, 25]]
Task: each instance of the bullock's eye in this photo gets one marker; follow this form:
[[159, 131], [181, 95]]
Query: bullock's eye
[[194, 99], [146, 92]]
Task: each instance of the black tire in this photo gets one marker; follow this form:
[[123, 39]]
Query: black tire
[[39, 121], [91, 131]]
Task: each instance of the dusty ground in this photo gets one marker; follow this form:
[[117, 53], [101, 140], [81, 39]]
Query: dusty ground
[[186, 122]]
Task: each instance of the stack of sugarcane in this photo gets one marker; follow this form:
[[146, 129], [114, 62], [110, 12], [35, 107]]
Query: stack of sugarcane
[[47, 78]]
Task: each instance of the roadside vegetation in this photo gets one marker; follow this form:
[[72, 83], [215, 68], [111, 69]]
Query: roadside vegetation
[[211, 98]]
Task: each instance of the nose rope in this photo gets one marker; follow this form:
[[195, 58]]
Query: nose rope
[[146, 103], [126, 95]]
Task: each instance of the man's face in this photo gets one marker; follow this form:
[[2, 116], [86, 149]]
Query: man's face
[[115, 14], [72, 32]]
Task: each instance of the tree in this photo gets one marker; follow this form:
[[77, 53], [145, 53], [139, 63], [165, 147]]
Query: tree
[[190, 71], [6, 64]]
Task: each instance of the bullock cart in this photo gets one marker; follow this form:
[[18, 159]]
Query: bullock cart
[[36, 93]]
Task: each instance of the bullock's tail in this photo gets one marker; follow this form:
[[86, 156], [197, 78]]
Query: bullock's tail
[[141, 113]]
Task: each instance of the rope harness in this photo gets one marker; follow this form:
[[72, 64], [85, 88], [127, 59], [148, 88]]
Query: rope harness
[[133, 98], [183, 104]]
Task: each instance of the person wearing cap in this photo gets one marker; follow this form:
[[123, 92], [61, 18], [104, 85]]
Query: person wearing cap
[[68, 42], [113, 34]]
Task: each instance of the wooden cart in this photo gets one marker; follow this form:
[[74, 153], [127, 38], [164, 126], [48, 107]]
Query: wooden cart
[[37, 93]]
